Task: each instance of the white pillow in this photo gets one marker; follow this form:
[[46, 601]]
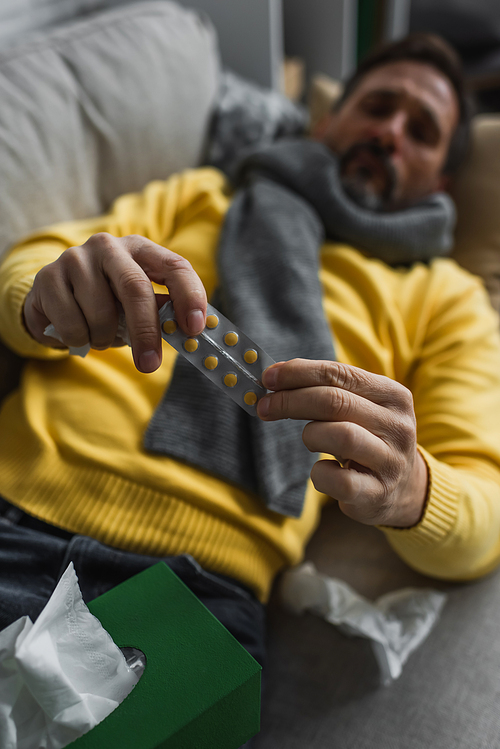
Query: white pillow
[[99, 108]]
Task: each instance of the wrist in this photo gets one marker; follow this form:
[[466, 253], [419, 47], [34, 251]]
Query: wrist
[[23, 318], [412, 505]]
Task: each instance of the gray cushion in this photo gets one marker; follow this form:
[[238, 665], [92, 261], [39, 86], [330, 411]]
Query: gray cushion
[[248, 115], [100, 108]]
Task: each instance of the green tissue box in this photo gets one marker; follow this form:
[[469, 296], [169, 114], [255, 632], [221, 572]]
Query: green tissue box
[[200, 689]]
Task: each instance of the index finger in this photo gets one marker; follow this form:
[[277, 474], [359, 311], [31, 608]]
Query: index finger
[[130, 276], [328, 404], [169, 269], [307, 373]]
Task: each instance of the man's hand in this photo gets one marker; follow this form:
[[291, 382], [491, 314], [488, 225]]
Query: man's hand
[[81, 293], [366, 421]]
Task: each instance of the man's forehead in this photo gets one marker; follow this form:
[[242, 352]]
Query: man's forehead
[[415, 79]]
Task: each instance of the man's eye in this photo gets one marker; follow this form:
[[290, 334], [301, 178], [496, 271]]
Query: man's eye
[[378, 109], [420, 132]]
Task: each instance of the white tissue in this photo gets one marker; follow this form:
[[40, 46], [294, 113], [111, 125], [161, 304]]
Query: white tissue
[[122, 332], [60, 676], [396, 623]]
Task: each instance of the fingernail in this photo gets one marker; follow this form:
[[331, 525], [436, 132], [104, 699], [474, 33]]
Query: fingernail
[[149, 361], [270, 377], [263, 406], [196, 321]]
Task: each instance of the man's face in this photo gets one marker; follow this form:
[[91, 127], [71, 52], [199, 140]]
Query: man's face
[[392, 135]]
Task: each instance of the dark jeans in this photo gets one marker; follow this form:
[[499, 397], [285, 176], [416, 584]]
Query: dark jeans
[[33, 556]]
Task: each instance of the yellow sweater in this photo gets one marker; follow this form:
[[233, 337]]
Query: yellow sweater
[[71, 436]]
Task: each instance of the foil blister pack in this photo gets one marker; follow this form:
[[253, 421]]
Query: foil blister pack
[[223, 353]]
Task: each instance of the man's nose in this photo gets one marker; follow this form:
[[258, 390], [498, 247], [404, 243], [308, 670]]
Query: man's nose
[[390, 132]]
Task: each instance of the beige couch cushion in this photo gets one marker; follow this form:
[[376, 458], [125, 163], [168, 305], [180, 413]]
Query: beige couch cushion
[[476, 191]]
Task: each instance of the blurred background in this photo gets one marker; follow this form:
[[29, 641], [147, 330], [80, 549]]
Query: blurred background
[[283, 44]]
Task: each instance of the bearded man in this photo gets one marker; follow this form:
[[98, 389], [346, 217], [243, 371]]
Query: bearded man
[[325, 254]]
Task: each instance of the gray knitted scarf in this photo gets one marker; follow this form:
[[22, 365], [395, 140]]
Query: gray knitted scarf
[[289, 198]]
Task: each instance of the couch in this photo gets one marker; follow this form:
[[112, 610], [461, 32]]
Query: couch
[[69, 144]]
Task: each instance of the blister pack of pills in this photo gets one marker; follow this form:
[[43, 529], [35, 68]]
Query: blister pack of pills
[[223, 353]]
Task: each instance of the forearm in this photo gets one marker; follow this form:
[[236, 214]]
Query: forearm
[[18, 271], [156, 213], [458, 537], [17, 274], [132, 212]]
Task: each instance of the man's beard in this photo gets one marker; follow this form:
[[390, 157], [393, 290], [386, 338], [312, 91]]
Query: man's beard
[[361, 184]]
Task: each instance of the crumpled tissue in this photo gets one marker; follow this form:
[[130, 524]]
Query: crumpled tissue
[[60, 676], [396, 623], [122, 332]]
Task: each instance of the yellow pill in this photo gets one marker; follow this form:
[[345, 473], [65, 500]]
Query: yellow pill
[[191, 344], [212, 321], [231, 339], [210, 362], [230, 380], [169, 327], [250, 356], [250, 398]]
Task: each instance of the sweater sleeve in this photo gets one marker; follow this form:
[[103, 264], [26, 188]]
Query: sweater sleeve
[[456, 389], [155, 213]]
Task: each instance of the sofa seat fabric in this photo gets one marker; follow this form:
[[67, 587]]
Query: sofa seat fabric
[[322, 690]]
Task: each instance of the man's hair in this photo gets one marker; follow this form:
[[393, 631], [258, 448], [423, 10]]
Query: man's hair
[[431, 50]]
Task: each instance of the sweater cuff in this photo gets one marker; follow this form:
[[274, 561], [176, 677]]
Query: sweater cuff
[[440, 511], [14, 332]]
